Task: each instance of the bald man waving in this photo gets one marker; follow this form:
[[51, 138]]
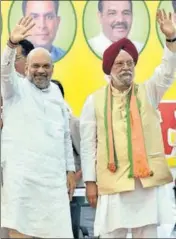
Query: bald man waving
[[36, 154]]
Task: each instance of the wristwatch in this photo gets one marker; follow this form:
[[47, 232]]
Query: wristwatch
[[171, 40]]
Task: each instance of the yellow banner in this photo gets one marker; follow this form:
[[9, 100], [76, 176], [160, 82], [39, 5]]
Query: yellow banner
[[77, 35]]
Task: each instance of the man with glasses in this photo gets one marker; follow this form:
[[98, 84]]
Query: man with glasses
[[22, 52], [123, 160]]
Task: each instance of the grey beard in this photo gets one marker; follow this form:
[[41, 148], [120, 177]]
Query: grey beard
[[41, 86]]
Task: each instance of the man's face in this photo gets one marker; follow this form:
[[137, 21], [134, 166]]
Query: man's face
[[122, 71], [116, 19], [20, 61], [46, 22], [39, 69]]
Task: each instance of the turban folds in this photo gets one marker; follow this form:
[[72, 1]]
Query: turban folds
[[111, 53]]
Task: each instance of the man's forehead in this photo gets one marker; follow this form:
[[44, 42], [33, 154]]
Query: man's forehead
[[40, 61], [39, 57], [40, 6], [118, 5]]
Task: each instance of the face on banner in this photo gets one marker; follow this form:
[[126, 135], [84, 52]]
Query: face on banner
[[105, 22], [44, 14], [115, 18], [55, 24], [168, 125]]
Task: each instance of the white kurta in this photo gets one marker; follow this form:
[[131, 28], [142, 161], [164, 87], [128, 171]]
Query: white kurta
[[142, 206], [100, 43], [36, 153]]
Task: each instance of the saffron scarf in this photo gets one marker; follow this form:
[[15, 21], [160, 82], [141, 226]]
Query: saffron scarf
[[137, 156]]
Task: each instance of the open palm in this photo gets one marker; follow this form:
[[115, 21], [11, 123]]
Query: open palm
[[22, 29], [166, 24]]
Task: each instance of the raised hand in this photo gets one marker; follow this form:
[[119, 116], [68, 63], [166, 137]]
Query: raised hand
[[166, 24], [22, 30]]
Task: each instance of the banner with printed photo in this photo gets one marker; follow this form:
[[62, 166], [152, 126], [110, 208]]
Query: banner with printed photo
[[78, 32]]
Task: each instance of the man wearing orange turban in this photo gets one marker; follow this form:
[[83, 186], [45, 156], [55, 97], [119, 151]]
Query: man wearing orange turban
[[122, 153]]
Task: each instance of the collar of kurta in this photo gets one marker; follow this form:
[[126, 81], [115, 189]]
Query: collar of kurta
[[117, 93]]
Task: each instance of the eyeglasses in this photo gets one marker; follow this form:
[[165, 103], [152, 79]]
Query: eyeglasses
[[122, 64]]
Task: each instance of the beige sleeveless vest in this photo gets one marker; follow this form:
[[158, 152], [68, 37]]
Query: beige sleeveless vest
[[108, 182]]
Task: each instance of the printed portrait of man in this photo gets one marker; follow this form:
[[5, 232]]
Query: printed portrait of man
[[116, 19], [47, 20]]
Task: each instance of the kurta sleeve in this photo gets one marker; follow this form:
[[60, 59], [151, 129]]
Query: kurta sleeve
[[75, 133], [75, 136], [88, 134], [70, 164], [162, 78], [8, 74]]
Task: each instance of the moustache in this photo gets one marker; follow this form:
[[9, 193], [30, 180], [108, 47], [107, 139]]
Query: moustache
[[126, 73], [120, 24], [42, 75]]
